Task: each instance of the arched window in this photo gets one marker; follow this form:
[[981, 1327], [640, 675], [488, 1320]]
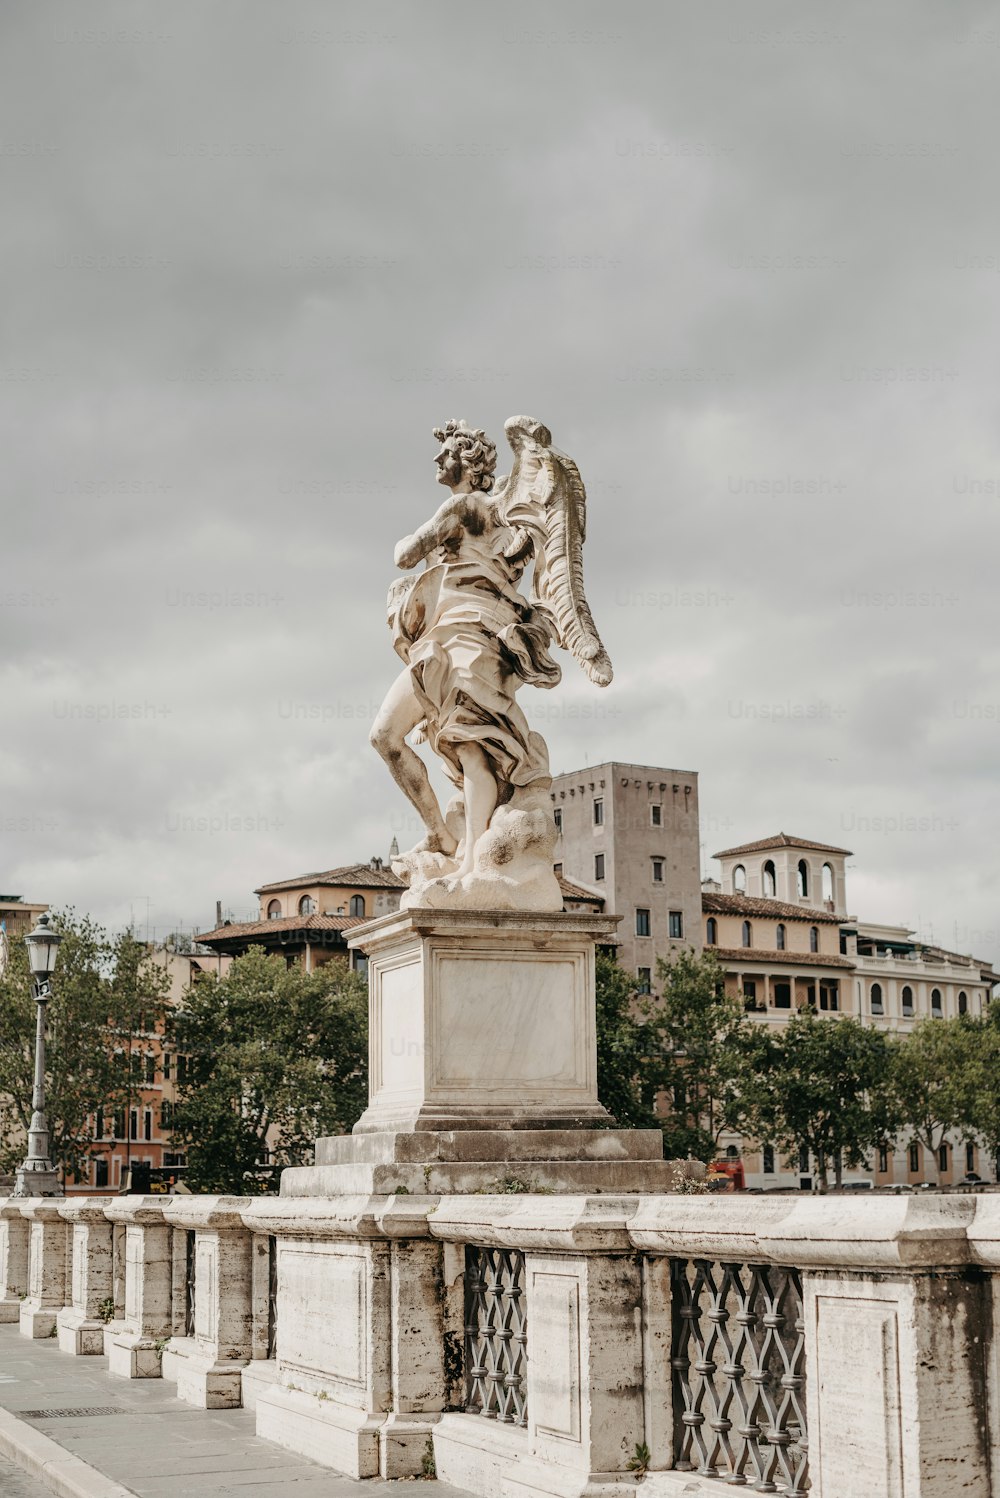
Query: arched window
[[307, 905], [907, 997], [780, 938], [963, 1003], [711, 931], [747, 934], [740, 879], [770, 879], [357, 905], [732, 1153], [274, 910], [828, 885], [876, 995], [803, 881], [814, 938], [937, 1009]]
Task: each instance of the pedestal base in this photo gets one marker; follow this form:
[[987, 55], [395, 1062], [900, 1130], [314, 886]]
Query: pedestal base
[[30, 1182], [10, 1312], [347, 1439], [133, 1356], [255, 1378], [37, 1321], [482, 1020], [207, 1382], [79, 1335]]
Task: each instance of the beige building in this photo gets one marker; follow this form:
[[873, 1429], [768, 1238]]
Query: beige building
[[629, 833]]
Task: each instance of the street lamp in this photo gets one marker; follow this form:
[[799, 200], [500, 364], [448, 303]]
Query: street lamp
[[37, 1177]]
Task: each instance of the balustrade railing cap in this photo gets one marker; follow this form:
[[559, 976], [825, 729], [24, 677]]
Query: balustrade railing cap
[[984, 1231], [578, 1224], [707, 1227], [147, 1211], [206, 1211], [341, 1216], [907, 1232], [41, 1208], [85, 1208], [10, 1206]]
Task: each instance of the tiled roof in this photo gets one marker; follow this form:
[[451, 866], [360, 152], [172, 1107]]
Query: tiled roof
[[306, 923], [755, 905], [795, 959], [571, 891], [781, 840], [352, 876]]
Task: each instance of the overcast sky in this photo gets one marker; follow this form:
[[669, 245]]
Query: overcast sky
[[743, 260]]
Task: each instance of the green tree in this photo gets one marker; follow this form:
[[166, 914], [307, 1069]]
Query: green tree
[[985, 1089], [825, 1085], [700, 1050], [940, 1077], [275, 1057], [621, 1046], [100, 988]]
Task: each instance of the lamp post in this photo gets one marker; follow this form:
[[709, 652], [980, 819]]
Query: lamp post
[[37, 1177]]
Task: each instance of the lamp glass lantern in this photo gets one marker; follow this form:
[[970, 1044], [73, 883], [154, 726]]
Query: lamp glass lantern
[[43, 949]]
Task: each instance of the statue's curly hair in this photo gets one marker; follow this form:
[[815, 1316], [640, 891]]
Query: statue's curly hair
[[478, 452]]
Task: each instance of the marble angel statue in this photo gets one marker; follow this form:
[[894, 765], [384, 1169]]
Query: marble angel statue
[[470, 634]]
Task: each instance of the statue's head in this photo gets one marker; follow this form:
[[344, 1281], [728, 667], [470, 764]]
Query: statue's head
[[465, 452]]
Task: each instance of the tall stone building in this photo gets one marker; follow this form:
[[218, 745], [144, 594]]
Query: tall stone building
[[630, 834]]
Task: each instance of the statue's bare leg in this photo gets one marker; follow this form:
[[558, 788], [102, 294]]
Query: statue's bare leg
[[399, 715], [480, 791]]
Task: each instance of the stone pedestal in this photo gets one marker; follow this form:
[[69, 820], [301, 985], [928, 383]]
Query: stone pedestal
[[13, 1260], [207, 1361], [80, 1325], [47, 1263], [481, 1020], [136, 1351]]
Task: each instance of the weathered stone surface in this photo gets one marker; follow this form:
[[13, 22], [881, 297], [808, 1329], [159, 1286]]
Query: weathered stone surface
[[136, 1351], [483, 1146], [13, 1260], [47, 1261], [80, 1326], [207, 1365]]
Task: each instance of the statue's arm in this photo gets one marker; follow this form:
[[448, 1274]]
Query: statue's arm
[[447, 522]]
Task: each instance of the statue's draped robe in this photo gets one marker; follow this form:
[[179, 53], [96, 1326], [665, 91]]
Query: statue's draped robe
[[470, 640]]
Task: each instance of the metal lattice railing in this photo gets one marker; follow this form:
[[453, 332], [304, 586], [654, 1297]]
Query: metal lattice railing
[[496, 1335], [738, 1360], [190, 1273]]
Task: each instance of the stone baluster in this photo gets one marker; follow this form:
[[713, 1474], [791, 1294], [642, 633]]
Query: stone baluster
[[262, 1370], [81, 1324], [135, 1351], [47, 1265], [207, 1358], [984, 1247], [13, 1260]]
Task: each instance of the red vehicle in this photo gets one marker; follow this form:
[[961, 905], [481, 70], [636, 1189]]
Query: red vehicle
[[726, 1175]]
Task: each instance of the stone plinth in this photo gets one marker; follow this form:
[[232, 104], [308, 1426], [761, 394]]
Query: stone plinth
[[482, 1020], [80, 1325], [13, 1260], [207, 1361], [46, 1265], [135, 1352]]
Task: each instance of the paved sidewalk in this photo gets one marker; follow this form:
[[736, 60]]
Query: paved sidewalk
[[153, 1444]]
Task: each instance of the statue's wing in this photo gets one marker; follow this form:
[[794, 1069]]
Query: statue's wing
[[544, 498]]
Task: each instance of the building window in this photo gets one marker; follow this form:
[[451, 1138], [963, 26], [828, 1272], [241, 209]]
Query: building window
[[804, 1159], [657, 870], [101, 1172], [970, 1158], [642, 922], [883, 1159], [780, 938], [557, 870], [150, 1067], [166, 1114], [782, 996], [814, 938], [835, 994], [99, 1124], [943, 1157], [307, 905], [133, 1126], [770, 879], [645, 976], [828, 885], [740, 879], [936, 1006], [274, 910], [907, 997], [750, 990], [803, 879], [147, 1125], [747, 934], [876, 997], [914, 1157], [557, 818], [119, 1124], [599, 813], [357, 905], [656, 815], [598, 865], [675, 928], [711, 931], [767, 1159], [963, 1003]]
